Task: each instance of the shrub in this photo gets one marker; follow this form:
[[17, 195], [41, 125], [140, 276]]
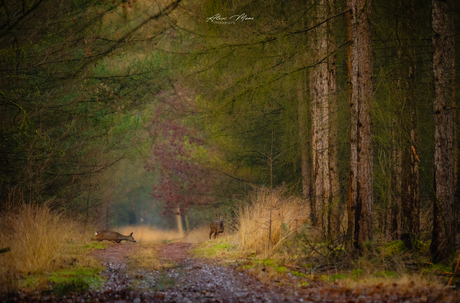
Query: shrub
[[268, 214], [38, 238]]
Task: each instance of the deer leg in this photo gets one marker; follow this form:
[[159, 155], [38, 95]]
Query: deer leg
[[210, 234]]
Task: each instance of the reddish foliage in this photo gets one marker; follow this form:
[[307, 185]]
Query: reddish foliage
[[183, 181]]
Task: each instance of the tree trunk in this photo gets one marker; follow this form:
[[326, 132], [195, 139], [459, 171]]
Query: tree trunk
[[395, 182], [442, 243], [187, 224], [410, 167], [360, 198], [180, 227], [305, 149], [323, 91]]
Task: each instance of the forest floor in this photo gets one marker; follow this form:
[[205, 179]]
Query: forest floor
[[191, 279]]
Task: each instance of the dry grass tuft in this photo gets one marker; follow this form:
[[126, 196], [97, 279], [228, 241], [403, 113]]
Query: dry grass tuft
[[40, 240], [406, 282], [36, 236], [268, 214]]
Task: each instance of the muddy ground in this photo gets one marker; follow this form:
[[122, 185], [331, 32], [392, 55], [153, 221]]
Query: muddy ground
[[201, 280]]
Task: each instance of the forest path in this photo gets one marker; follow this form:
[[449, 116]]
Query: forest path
[[190, 279], [193, 279]]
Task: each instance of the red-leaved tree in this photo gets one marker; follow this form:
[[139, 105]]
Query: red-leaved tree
[[179, 156]]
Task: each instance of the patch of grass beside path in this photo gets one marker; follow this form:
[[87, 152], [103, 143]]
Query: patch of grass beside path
[[273, 240], [43, 244], [222, 248]]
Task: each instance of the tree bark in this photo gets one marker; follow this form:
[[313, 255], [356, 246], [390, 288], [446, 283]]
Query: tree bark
[[442, 243], [305, 148], [180, 228], [360, 198], [395, 181], [410, 201], [323, 91]]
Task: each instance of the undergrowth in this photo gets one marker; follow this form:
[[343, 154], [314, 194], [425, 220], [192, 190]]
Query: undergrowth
[[274, 241], [43, 244]]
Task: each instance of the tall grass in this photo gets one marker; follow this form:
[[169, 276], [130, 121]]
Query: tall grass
[[37, 238], [201, 234], [267, 219]]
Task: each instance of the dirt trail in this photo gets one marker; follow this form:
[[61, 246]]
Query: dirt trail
[[200, 280]]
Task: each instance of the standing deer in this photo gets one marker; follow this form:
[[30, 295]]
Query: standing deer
[[112, 236], [217, 226]]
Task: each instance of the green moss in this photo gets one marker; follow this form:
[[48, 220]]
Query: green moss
[[30, 282], [303, 284], [211, 249], [248, 266], [75, 280], [95, 245], [386, 274], [269, 262], [280, 269], [298, 274]]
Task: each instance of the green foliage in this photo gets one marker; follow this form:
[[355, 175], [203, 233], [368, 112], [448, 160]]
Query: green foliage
[[73, 105], [357, 274], [394, 247]]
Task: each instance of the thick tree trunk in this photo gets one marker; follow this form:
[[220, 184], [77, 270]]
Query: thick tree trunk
[[442, 243], [323, 91], [360, 196]]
